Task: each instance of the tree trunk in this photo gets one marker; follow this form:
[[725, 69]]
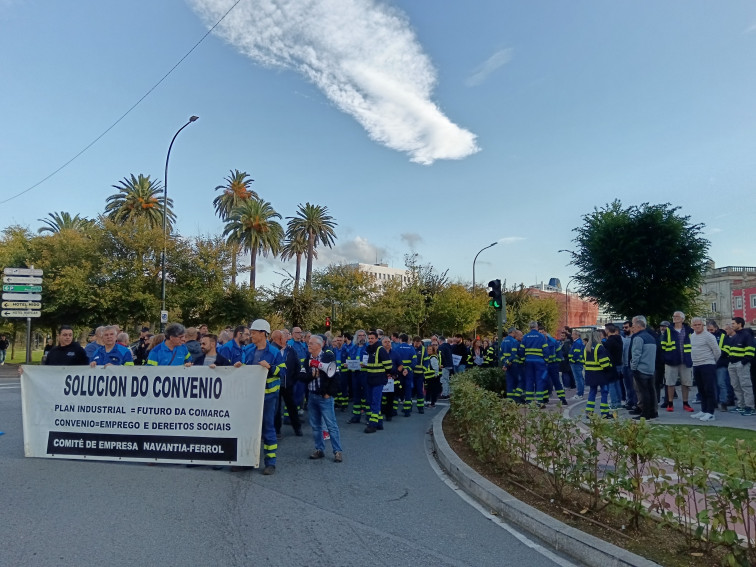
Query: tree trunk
[[298, 272], [234, 254], [252, 265], [310, 251]]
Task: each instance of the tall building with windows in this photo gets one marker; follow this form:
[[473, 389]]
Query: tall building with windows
[[382, 273], [724, 293]]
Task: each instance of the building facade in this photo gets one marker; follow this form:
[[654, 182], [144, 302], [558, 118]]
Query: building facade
[[718, 297], [382, 273]]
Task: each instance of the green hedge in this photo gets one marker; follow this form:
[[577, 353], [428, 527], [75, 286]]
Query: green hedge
[[623, 462]]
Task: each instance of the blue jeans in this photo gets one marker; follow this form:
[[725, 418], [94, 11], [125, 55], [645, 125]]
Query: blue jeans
[[2, 356], [577, 373], [627, 377], [321, 412], [724, 389]]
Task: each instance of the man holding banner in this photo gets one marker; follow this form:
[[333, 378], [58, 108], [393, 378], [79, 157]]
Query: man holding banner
[[262, 353]]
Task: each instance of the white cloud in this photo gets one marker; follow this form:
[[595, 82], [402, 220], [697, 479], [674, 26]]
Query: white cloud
[[510, 239], [362, 54], [750, 29], [482, 71], [347, 252], [713, 231]]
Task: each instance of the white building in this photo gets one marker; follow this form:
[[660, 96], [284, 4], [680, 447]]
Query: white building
[[382, 273]]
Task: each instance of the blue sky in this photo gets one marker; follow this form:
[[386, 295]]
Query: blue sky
[[435, 127]]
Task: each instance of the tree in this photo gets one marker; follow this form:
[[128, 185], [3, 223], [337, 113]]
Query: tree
[[640, 260], [348, 289], [313, 223], [139, 197], [234, 193], [58, 222], [294, 247], [252, 227]]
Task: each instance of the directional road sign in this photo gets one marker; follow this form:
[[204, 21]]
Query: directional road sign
[[22, 279], [22, 272], [9, 313], [22, 296], [22, 305], [31, 288]]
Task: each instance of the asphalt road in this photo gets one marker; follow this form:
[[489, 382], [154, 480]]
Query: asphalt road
[[386, 504]]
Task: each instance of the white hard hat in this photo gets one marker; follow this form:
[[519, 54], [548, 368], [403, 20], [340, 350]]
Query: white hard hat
[[260, 325]]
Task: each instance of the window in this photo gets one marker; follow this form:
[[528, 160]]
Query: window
[[714, 307], [738, 302], [753, 301]]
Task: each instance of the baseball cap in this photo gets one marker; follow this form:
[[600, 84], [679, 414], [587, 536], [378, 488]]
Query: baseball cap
[[665, 324], [260, 325]]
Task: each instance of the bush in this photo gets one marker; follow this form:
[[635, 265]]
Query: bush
[[618, 462]]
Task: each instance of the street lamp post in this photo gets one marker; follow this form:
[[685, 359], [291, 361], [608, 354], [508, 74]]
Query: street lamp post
[[475, 330], [163, 313], [476, 257], [567, 302]]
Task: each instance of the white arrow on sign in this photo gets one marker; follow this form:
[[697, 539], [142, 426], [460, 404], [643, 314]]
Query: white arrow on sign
[[22, 272], [5, 313], [22, 305], [22, 279], [22, 296]]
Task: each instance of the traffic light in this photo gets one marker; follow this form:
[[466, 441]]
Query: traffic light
[[328, 323], [495, 294]]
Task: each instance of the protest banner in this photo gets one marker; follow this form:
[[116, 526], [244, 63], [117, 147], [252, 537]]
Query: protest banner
[[169, 414]]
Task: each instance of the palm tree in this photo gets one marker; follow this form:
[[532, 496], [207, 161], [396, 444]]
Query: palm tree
[[294, 247], [139, 197], [235, 192], [315, 225], [251, 227], [58, 222]]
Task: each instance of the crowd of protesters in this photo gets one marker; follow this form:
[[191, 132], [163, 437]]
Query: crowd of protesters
[[376, 378], [636, 367]]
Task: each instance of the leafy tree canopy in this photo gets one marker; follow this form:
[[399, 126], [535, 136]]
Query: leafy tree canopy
[[645, 260]]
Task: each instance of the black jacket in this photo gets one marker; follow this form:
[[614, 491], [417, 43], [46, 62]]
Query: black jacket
[[326, 386], [71, 355], [293, 367], [220, 360]]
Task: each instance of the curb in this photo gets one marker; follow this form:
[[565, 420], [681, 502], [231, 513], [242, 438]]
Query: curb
[[587, 549]]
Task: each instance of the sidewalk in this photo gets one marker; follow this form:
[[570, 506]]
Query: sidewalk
[[679, 416]]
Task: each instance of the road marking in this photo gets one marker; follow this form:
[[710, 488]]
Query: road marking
[[562, 562]]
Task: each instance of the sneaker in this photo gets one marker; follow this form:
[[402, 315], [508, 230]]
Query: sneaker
[[269, 470], [686, 407], [370, 429], [337, 458], [707, 417], [326, 436], [722, 407], [736, 409], [576, 397], [317, 454], [564, 402], [698, 415], [670, 407], [747, 412]]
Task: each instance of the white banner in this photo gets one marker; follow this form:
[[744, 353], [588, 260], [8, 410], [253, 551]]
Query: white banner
[[169, 414]]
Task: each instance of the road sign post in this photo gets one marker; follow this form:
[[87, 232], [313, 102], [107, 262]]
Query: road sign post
[[22, 294]]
